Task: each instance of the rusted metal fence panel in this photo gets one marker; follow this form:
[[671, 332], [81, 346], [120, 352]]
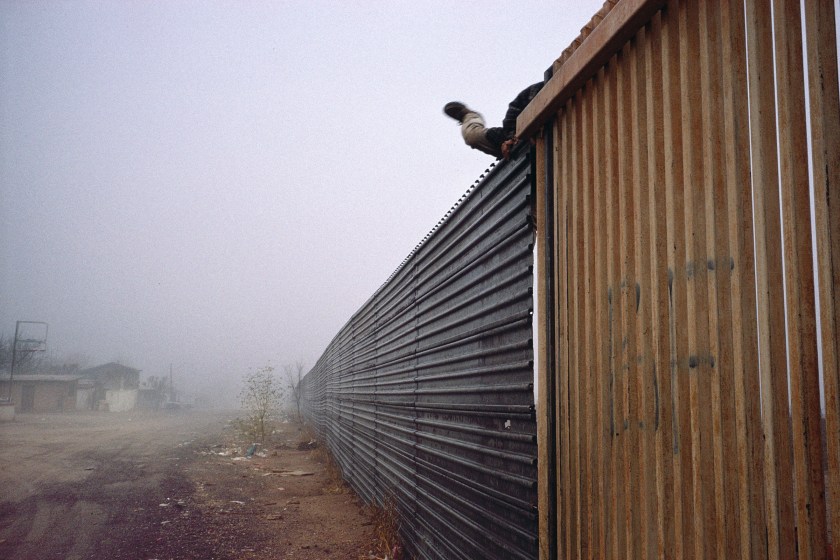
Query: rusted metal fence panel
[[425, 397], [690, 317]]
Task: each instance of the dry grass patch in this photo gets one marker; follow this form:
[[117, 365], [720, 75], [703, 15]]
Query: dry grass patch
[[386, 530]]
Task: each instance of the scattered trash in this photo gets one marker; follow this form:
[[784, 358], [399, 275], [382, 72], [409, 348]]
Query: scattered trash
[[261, 454], [90, 468], [164, 505], [507, 424], [295, 473], [224, 452], [237, 502], [165, 522], [306, 445], [251, 450]]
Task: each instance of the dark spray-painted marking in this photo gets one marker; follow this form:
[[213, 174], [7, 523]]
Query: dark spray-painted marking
[[638, 296], [693, 362], [710, 264]]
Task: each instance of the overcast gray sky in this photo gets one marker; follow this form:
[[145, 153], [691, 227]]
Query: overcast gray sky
[[220, 185]]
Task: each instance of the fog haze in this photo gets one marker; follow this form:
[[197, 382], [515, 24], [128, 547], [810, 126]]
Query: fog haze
[[220, 185]]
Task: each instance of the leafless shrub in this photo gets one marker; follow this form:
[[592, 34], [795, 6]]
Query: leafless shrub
[[260, 397]]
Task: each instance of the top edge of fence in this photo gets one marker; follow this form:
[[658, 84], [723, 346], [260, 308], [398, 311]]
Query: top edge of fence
[[610, 28], [488, 174], [519, 154]]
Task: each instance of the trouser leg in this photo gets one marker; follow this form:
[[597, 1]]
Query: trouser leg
[[473, 130]]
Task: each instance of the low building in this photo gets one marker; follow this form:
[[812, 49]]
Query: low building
[[40, 393], [109, 387]]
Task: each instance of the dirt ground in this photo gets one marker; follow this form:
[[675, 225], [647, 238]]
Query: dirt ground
[[170, 486]]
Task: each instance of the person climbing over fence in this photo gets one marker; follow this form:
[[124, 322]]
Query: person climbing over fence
[[496, 141]]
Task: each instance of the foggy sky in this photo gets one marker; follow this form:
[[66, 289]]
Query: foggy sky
[[219, 185]]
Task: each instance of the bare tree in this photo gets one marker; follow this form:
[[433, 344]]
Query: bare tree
[[261, 397], [26, 359], [5, 352], [294, 376]]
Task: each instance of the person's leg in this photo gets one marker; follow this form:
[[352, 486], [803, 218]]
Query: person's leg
[[473, 130]]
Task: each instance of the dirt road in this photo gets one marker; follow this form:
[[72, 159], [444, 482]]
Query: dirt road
[[167, 486]]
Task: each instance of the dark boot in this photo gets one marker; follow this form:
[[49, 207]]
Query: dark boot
[[456, 110]]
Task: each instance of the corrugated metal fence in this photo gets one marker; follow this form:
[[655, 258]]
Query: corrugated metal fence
[[425, 397], [691, 319]]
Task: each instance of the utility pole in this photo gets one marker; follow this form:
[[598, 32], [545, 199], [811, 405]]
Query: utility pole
[[31, 345], [171, 386]]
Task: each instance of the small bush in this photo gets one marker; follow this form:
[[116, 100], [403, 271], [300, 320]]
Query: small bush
[[261, 397]]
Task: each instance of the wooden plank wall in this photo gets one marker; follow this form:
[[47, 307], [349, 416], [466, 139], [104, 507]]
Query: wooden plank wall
[[695, 409]]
